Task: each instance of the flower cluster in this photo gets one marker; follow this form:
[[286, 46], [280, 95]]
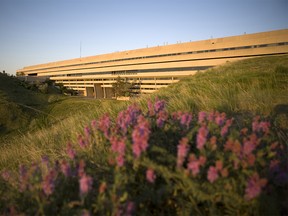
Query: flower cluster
[[140, 136], [154, 162]]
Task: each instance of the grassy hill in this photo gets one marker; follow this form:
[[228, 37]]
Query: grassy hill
[[254, 85], [206, 163], [241, 89], [23, 110], [18, 105]]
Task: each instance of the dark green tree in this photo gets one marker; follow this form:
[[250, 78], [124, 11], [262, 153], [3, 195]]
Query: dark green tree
[[121, 87]]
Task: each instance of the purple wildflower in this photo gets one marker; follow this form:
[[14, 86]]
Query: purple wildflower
[[123, 121], [159, 105], [176, 115], [85, 184], [194, 164], [118, 146], [264, 126], [81, 167], [161, 118], [248, 147], [128, 117], [81, 141], [220, 118], [183, 148], [94, 124], [211, 116], [120, 160], [255, 123], [137, 150], [70, 151], [225, 128], [201, 117], [254, 186], [104, 125], [87, 132], [114, 143], [185, 119], [65, 168], [260, 126], [6, 175], [130, 208], [140, 136], [212, 174], [202, 137], [121, 146], [150, 175], [48, 184], [194, 167]]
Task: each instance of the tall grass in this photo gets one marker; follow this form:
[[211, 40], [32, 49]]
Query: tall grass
[[253, 85], [63, 124], [244, 88]]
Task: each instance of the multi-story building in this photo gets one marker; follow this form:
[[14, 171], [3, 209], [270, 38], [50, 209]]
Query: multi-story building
[[156, 67]]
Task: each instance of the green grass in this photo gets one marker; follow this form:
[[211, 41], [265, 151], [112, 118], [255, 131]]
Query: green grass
[[241, 89], [18, 106], [253, 85]]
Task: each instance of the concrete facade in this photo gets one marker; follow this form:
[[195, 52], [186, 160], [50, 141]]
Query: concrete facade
[[156, 67]]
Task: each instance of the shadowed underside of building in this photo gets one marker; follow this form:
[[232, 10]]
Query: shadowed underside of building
[[152, 68]]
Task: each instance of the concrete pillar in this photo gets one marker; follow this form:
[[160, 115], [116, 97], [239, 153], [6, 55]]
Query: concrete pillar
[[89, 92], [109, 93], [104, 91], [98, 91]]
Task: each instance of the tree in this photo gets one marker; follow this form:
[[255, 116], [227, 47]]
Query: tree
[[121, 87]]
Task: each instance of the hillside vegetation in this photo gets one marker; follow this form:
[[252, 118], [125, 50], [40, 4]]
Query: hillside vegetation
[[254, 86], [171, 152], [24, 110], [17, 104], [241, 89]]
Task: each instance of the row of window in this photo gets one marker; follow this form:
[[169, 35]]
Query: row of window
[[138, 80], [170, 54], [130, 72]]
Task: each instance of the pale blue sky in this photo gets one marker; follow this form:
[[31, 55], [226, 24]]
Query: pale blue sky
[[41, 31]]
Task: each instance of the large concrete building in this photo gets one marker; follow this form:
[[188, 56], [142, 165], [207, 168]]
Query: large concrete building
[[156, 67]]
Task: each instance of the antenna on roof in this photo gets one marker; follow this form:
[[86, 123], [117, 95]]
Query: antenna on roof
[[80, 49]]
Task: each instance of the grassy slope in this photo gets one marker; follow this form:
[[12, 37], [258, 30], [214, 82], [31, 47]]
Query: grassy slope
[[246, 87], [22, 108], [15, 101], [253, 85]]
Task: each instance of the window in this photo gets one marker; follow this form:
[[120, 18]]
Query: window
[[263, 45]]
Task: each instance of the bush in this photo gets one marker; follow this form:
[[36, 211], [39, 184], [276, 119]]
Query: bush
[[158, 163], [121, 87], [43, 88]]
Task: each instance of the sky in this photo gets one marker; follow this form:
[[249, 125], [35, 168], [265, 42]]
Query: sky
[[41, 31]]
